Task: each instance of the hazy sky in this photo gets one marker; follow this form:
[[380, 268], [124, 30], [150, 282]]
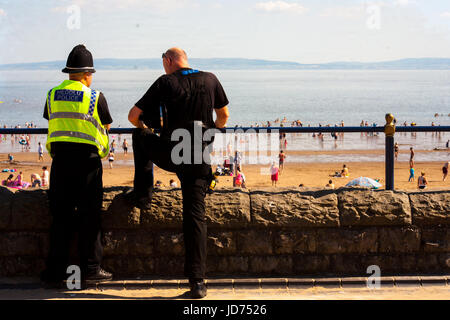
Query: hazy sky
[[305, 31]]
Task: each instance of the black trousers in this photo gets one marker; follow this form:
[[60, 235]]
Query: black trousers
[[75, 199], [148, 148]]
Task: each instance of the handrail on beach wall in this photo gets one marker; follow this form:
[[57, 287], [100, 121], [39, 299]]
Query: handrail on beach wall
[[389, 130]]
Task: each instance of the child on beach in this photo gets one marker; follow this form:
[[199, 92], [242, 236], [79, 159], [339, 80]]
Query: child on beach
[[330, 184], [274, 174], [125, 147], [113, 146], [445, 170], [40, 152], [411, 172], [422, 181], [45, 176], [281, 157], [36, 180], [111, 159]]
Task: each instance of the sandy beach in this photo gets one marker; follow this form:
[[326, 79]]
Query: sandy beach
[[311, 175]]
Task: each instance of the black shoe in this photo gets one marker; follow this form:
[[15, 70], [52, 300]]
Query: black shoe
[[144, 203], [100, 275], [198, 289]]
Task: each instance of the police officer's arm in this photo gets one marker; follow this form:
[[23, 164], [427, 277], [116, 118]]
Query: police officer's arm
[[222, 117], [133, 117]]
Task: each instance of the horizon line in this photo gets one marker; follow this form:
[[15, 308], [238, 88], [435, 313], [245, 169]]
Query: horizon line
[[250, 59]]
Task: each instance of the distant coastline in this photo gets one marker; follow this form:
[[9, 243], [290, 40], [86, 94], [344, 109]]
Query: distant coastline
[[245, 64]]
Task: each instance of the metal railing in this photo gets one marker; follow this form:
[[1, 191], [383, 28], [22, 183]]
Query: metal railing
[[389, 129]]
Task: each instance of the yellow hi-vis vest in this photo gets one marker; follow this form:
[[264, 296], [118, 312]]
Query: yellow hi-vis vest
[[73, 117]]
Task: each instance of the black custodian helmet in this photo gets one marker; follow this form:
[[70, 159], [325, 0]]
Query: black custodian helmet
[[79, 60]]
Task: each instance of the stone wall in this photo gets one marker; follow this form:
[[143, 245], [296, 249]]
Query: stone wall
[[264, 232]]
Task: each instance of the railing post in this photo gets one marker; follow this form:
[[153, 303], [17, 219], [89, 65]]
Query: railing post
[[389, 131]]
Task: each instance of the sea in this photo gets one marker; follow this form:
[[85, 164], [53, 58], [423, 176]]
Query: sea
[[315, 97]]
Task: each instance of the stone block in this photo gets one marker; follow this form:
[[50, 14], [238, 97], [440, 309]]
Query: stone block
[[29, 210], [221, 243], [255, 242], [289, 241], [331, 241], [374, 208], [227, 265], [430, 208], [141, 243], [291, 208], [310, 264], [399, 240], [169, 244], [270, 265], [436, 239], [228, 208], [115, 243]]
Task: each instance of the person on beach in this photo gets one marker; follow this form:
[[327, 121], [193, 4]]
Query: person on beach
[[411, 173], [281, 158], [113, 146], [422, 181], [9, 181], [411, 157], [173, 183], [396, 151], [187, 99], [111, 159], [238, 179], [18, 180], [10, 158], [274, 174], [36, 180], [45, 176], [445, 170], [76, 146], [329, 185], [125, 147], [344, 172], [40, 152], [237, 160]]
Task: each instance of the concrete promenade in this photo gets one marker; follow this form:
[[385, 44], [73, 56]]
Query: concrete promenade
[[347, 288]]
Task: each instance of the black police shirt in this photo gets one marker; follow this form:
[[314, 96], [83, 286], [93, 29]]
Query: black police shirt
[[188, 95], [80, 148]]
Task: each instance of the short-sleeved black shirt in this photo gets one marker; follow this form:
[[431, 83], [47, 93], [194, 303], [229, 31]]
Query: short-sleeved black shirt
[[82, 148], [188, 95]]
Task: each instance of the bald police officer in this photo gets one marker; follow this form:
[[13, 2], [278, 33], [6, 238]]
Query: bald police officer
[[183, 98], [77, 139]]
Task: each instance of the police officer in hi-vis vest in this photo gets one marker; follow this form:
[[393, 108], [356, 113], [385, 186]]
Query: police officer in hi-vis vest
[[78, 123]]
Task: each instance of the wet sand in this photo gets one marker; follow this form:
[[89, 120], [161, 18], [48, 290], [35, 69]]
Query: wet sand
[[311, 175]]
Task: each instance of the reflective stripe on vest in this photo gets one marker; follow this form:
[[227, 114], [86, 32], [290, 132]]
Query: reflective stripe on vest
[[75, 134], [79, 116]]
